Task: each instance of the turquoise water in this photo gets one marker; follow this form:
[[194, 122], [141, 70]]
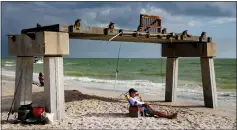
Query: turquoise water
[[141, 69]]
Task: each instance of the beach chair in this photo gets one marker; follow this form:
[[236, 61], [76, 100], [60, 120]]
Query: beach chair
[[134, 111]]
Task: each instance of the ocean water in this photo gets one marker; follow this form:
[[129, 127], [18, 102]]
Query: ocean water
[[146, 75], [142, 69]]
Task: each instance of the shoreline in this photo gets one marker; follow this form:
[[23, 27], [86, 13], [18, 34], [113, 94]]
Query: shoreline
[[197, 105], [188, 84], [184, 93], [90, 109]]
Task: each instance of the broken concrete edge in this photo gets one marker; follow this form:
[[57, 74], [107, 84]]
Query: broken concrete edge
[[188, 50], [103, 31], [127, 38], [45, 44], [124, 38]]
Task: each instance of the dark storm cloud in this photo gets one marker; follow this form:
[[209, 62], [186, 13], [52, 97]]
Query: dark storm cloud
[[206, 9], [125, 14], [20, 15], [210, 9]]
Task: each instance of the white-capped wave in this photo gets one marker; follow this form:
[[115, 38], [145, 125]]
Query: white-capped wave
[[9, 65], [143, 86], [71, 63], [9, 62], [39, 62]]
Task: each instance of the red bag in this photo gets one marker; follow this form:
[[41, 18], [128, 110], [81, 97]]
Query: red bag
[[37, 111]]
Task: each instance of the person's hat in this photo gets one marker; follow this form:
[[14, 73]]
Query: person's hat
[[132, 90]]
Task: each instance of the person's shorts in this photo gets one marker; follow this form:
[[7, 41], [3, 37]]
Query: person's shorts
[[42, 84], [149, 111]]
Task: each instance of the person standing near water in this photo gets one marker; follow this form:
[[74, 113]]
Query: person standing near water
[[41, 79]]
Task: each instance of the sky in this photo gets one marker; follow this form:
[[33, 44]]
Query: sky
[[217, 19]]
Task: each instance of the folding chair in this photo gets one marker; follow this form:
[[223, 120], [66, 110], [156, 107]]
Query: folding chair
[[134, 111]]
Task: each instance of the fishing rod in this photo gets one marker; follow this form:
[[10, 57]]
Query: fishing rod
[[14, 97]]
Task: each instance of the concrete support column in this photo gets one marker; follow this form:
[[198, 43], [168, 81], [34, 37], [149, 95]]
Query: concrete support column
[[54, 86], [171, 79], [209, 82], [23, 81]]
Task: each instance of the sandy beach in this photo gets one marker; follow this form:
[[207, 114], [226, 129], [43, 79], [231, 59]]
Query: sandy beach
[[90, 109]]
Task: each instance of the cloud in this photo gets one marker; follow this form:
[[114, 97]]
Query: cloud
[[124, 14], [222, 20], [212, 26], [193, 23], [176, 16], [186, 20]]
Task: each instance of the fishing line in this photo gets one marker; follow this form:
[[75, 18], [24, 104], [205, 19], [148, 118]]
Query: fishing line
[[117, 65], [116, 73]]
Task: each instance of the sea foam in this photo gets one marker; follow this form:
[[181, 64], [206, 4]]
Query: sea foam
[[225, 99]]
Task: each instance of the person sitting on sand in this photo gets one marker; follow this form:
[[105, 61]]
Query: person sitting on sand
[[147, 108], [41, 79]]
